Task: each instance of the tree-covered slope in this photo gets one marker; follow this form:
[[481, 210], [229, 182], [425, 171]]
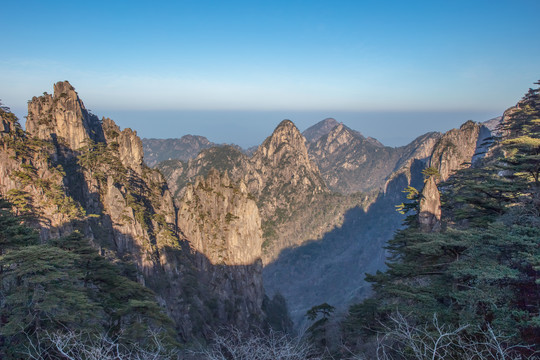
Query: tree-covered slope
[[480, 268]]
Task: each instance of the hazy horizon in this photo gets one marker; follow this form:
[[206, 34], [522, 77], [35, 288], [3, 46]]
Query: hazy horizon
[[242, 66], [250, 128]]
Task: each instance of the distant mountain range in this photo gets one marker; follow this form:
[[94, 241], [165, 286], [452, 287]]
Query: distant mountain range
[[212, 229], [327, 200]]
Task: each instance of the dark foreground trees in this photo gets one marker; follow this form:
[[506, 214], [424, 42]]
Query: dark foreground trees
[[51, 291], [479, 276]]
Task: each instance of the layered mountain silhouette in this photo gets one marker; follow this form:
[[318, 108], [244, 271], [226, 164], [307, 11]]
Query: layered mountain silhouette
[[212, 228]]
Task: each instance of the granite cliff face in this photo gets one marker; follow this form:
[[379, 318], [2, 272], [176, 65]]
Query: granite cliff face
[[455, 150], [285, 173], [294, 203], [32, 178], [71, 171], [223, 225], [62, 117]]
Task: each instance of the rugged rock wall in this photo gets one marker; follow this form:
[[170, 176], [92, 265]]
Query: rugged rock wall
[[294, 203], [222, 223], [72, 171], [32, 178], [285, 174], [455, 150], [429, 216], [350, 162], [62, 117]]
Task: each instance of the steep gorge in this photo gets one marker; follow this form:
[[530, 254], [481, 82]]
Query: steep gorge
[[202, 244]]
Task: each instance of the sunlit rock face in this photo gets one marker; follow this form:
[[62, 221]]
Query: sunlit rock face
[[455, 149], [73, 171], [429, 215], [222, 223], [62, 117], [349, 162]]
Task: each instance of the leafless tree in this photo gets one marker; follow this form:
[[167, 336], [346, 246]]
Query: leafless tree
[[232, 344], [435, 341], [70, 345]]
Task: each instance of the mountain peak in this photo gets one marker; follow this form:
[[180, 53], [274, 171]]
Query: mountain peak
[[286, 133], [63, 87], [63, 117], [286, 124], [285, 153], [323, 127]]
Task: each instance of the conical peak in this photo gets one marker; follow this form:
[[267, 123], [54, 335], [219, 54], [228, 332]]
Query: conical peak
[[286, 139], [287, 127], [286, 124], [320, 129], [63, 116], [286, 131], [329, 123]]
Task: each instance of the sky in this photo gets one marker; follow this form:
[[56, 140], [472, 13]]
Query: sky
[[232, 70]]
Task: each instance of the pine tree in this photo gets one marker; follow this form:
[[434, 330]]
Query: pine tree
[[483, 268], [64, 285]]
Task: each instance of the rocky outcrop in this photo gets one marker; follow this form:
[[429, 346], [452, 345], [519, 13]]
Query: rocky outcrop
[[8, 123], [31, 178], [127, 142], [62, 117], [223, 226], [455, 149], [429, 215], [72, 171], [285, 174]]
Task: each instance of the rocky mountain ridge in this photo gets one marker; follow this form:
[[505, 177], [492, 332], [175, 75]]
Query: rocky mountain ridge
[[284, 181], [71, 171], [200, 249], [184, 148], [314, 273], [350, 162]]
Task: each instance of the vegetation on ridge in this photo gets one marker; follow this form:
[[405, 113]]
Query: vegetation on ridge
[[481, 270]]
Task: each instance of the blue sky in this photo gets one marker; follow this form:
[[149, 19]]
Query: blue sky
[[231, 70]]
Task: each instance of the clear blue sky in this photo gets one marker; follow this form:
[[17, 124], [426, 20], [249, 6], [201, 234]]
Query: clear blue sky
[[231, 70]]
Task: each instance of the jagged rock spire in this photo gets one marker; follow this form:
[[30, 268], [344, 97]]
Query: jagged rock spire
[[62, 117]]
